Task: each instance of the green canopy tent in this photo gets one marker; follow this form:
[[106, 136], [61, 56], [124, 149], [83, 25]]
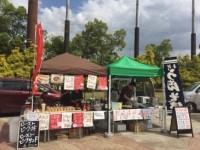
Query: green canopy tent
[[129, 67]]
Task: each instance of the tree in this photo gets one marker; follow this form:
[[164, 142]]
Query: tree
[[149, 55], [96, 44], [163, 50], [54, 46], [5, 70], [12, 27]]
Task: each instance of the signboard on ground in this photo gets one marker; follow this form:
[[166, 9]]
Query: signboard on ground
[[28, 135], [181, 121]]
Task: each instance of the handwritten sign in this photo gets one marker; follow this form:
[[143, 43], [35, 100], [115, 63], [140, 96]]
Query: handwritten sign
[[44, 121], [67, 120], [127, 114], [181, 121], [28, 134], [183, 118], [69, 83], [88, 119], [32, 116], [91, 81], [55, 121], [99, 115]]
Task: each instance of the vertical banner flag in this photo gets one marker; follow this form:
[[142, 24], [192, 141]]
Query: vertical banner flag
[[91, 81], [173, 88], [38, 57], [102, 83]]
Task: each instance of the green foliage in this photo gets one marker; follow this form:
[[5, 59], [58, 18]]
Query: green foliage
[[96, 44], [12, 27], [54, 46], [17, 64], [153, 55], [189, 69], [5, 70]]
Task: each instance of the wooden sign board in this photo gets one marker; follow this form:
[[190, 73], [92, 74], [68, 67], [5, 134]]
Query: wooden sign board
[[28, 135], [181, 121]]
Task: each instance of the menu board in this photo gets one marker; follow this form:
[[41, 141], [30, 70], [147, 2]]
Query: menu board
[[181, 121], [28, 135], [183, 118], [55, 121], [69, 82]]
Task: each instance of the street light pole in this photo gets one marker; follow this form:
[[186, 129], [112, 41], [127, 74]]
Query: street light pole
[[193, 34], [137, 32], [67, 27]]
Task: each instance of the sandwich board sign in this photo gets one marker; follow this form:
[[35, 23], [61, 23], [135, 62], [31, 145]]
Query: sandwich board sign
[[181, 121], [28, 135]]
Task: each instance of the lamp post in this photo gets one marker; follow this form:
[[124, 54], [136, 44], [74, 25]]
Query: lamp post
[[193, 34], [137, 32], [67, 27]]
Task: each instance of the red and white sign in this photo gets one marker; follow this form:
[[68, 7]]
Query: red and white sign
[[77, 119], [55, 121], [79, 82], [102, 83]]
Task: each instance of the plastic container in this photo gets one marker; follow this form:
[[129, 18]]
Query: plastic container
[[13, 129]]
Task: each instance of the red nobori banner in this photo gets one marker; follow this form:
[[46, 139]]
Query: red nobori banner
[[102, 83], [55, 121], [77, 119]]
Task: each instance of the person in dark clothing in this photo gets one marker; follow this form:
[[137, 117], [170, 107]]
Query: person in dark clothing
[[72, 98], [127, 94]]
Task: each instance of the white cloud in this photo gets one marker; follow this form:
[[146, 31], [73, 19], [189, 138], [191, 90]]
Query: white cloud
[[20, 3], [158, 19]]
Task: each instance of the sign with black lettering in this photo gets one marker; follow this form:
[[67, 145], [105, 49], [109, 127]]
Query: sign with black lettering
[[181, 121], [173, 88], [28, 135]]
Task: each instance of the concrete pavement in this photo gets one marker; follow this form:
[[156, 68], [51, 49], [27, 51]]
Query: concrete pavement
[[151, 140]]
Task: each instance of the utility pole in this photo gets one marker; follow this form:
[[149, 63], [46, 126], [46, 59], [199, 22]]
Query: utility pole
[[67, 27], [193, 34], [32, 21], [137, 32]]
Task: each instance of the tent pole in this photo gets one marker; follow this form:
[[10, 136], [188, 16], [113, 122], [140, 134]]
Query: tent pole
[[164, 110], [109, 133]]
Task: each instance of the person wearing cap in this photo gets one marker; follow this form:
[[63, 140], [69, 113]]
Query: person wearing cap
[[127, 94]]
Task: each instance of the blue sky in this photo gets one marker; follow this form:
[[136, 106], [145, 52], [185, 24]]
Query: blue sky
[[74, 4], [158, 20]]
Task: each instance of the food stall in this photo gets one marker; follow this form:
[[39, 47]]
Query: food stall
[[129, 68]]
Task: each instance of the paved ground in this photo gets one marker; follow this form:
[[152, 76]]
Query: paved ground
[[151, 140]]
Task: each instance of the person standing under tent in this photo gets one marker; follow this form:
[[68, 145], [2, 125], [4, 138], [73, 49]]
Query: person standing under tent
[[127, 94]]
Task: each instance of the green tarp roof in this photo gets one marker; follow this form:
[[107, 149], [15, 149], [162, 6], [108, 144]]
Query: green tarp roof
[[126, 66]]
